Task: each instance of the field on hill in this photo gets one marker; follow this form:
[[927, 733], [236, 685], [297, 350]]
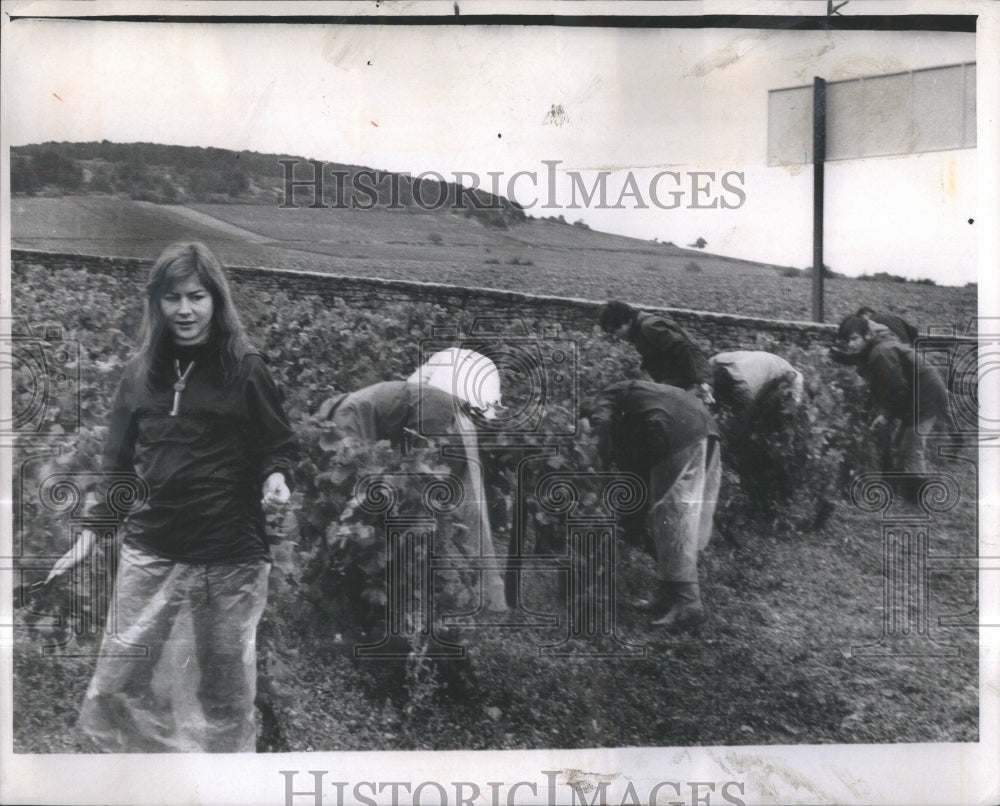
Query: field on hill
[[810, 639], [540, 256]]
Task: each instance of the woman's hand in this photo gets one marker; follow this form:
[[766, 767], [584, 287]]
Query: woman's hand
[[275, 492]]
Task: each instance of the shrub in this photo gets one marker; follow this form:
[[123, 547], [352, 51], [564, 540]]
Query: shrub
[[342, 536], [22, 174], [827, 272], [692, 267], [883, 277], [51, 167], [101, 181], [771, 448]]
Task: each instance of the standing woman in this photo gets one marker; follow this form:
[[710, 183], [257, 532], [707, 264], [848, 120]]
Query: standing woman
[[198, 419]]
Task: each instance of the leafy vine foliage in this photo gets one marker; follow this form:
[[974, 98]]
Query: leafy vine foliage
[[328, 586]]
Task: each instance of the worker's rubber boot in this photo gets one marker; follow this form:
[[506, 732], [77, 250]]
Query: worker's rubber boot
[[660, 603], [687, 609]]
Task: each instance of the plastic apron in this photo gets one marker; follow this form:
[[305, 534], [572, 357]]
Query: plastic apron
[[177, 669], [680, 519]]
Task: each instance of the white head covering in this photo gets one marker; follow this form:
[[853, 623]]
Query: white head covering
[[468, 375]]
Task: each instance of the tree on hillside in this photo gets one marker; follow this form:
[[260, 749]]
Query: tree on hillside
[[234, 182], [101, 180], [164, 173], [22, 174], [52, 167]]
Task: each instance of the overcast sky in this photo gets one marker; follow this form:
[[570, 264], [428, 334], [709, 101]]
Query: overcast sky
[[503, 100]]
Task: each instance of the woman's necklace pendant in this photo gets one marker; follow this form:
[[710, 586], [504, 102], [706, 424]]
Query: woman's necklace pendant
[[179, 385]]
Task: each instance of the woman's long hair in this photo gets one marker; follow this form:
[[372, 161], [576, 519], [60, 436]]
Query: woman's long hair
[[177, 263]]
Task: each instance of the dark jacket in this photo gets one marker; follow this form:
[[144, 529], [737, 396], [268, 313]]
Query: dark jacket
[[904, 331], [641, 424], [901, 386], [204, 467], [668, 353]]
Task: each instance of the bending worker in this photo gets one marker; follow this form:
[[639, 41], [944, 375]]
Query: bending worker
[[909, 392], [669, 354], [739, 376], [403, 413], [667, 437]]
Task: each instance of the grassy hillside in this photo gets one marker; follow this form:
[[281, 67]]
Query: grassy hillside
[[185, 174]]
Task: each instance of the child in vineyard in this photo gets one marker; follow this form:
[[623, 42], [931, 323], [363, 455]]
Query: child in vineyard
[[667, 437], [198, 419], [909, 393]]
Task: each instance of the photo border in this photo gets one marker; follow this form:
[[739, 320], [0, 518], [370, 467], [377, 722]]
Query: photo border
[[890, 774]]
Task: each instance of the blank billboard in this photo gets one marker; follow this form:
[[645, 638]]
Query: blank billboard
[[903, 113]]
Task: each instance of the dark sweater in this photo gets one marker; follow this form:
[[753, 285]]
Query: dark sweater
[[204, 467], [901, 385], [668, 353], [641, 424], [904, 331]]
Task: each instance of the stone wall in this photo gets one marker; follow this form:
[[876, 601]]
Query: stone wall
[[721, 331]]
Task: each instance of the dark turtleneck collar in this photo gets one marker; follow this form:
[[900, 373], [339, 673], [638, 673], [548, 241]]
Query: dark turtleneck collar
[[185, 353], [204, 354]]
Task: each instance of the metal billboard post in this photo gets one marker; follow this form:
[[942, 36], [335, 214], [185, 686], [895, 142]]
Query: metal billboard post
[[819, 157], [905, 113]]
